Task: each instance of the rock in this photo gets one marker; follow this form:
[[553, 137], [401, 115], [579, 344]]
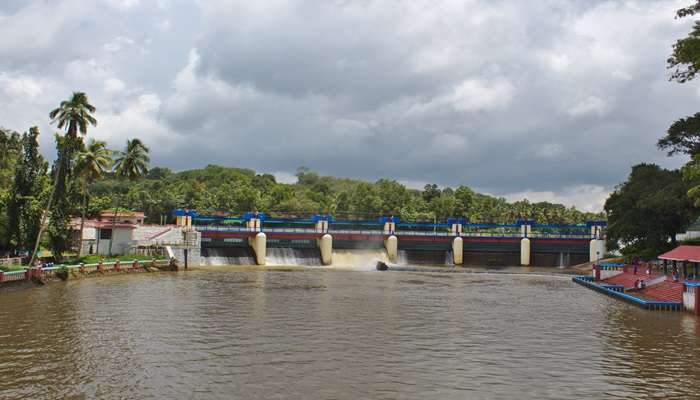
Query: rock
[[381, 266]]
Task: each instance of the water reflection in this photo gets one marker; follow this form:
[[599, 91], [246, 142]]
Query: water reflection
[[338, 334]]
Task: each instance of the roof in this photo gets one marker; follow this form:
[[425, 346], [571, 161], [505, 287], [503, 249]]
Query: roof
[[110, 214], [682, 253]]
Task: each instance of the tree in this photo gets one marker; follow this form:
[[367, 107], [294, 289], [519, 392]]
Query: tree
[[93, 163], [10, 149], [28, 187], [464, 197], [131, 164], [73, 115], [430, 191], [682, 137], [646, 211]]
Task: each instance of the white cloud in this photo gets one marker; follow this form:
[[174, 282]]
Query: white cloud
[[589, 106], [124, 4], [19, 85], [584, 197], [482, 95], [118, 44], [113, 85]]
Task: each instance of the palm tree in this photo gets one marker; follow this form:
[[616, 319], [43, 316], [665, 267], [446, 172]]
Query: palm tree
[[73, 115], [131, 164], [93, 162]]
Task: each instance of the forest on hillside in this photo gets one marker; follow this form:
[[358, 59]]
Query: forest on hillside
[[216, 189]]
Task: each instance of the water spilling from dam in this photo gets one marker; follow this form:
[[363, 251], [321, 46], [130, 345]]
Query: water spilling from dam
[[227, 256], [286, 256]]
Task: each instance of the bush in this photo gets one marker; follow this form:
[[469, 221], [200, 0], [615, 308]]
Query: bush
[[62, 273]]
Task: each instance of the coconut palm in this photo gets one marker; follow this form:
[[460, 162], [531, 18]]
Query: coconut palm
[[131, 164], [73, 115], [93, 162]]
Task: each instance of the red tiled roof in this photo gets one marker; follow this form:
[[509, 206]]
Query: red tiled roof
[[683, 253], [108, 225], [130, 214]]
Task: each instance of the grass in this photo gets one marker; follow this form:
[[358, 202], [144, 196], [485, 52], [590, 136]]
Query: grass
[[95, 258], [6, 268]]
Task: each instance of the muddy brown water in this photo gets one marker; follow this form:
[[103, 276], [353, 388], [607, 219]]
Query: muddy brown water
[[319, 334]]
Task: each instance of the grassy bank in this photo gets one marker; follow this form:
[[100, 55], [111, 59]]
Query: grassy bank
[[95, 258]]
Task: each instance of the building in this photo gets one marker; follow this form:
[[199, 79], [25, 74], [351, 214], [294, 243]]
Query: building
[[126, 230], [693, 232]]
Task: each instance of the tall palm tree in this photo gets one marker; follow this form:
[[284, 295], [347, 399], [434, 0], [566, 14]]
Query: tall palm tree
[[73, 115], [131, 164], [93, 162]]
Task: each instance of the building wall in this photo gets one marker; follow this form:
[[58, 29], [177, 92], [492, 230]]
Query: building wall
[[121, 241]]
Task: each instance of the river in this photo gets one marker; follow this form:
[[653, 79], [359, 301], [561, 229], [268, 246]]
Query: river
[[339, 334]]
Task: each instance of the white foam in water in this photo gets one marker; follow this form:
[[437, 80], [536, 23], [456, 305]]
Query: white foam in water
[[227, 256], [286, 256], [449, 260], [402, 257], [359, 259]]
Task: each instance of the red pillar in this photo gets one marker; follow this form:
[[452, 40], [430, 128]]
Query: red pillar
[[697, 299], [2, 276], [596, 269]]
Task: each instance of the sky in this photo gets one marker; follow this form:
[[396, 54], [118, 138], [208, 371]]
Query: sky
[[550, 100]]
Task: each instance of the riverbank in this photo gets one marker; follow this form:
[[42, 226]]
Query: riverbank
[[37, 276]]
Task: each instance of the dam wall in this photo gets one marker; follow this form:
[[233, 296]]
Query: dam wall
[[315, 241]]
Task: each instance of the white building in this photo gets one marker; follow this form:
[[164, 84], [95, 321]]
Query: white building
[[126, 230], [693, 232]]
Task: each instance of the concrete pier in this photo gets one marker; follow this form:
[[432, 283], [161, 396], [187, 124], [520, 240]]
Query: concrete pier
[[458, 250], [391, 244], [259, 245], [525, 252], [325, 244]]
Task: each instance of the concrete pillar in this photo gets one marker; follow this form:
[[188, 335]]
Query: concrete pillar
[[458, 250], [259, 245], [321, 226], [593, 251], [389, 228], [525, 252], [600, 248], [392, 247], [325, 244], [253, 225]]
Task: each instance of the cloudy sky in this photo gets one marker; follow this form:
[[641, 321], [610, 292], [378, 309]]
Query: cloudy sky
[[548, 99]]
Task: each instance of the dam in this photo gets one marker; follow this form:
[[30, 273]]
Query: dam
[[256, 239]]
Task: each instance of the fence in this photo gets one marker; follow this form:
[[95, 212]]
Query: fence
[[536, 235], [49, 272]]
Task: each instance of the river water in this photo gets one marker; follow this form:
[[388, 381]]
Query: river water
[[319, 334]]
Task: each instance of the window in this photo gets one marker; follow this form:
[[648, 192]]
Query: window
[[105, 234]]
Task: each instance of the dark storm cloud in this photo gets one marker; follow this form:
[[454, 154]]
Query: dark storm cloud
[[550, 97]]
